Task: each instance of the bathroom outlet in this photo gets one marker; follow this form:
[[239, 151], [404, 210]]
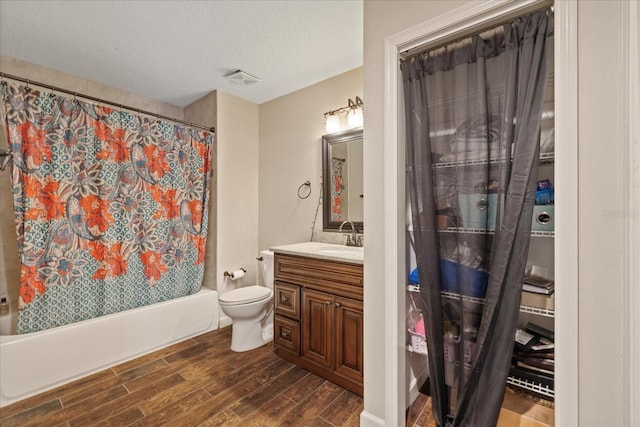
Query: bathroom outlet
[[4, 304]]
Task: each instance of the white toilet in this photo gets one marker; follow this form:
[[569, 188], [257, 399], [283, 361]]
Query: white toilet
[[251, 309]]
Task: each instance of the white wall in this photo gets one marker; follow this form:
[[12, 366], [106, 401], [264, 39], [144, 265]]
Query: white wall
[[291, 129], [600, 245]]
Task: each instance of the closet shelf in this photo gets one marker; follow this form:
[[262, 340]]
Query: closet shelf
[[540, 389], [483, 231], [538, 311], [523, 308], [531, 386], [544, 158]]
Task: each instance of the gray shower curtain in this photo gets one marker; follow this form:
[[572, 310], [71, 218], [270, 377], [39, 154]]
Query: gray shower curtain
[[473, 111]]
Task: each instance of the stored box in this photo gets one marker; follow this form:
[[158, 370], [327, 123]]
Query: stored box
[[543, 218], [478, 210]]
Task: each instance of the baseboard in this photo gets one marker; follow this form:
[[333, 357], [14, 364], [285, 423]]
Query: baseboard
[[225, 321], [415, 385], [414, 390], [369, 420]]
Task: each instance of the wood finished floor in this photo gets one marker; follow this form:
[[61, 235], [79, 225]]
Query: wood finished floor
[[199, 381], [419, 414]]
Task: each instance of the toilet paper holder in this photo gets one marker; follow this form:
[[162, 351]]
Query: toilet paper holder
[[233, 274]]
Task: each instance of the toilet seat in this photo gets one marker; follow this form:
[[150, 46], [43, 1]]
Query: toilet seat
[[245, 295]]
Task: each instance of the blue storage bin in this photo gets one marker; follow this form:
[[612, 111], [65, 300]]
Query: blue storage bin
[[459, 278], [544, 192], [413, 277]]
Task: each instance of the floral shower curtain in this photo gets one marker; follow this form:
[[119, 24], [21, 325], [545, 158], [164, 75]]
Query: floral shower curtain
[[473, 111], [110, 207]]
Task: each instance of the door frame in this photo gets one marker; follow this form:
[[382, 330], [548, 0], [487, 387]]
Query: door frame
[[443, 28], [630, 316]]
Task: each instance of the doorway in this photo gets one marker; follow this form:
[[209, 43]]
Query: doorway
[[436, 32]]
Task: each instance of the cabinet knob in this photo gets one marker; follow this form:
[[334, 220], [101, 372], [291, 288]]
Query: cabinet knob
[[338, 305], [284, 334], [327, 303]]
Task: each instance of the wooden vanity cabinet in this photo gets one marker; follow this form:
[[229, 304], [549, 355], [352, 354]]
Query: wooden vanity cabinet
[[321, 302]]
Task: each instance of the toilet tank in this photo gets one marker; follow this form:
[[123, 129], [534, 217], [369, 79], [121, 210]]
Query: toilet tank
[[266, 265]]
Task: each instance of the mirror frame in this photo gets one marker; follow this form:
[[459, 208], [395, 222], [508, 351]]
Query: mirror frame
[[327, 142]]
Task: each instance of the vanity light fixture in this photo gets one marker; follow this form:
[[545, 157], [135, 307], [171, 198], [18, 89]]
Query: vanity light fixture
[[354, 116], [332, 123]]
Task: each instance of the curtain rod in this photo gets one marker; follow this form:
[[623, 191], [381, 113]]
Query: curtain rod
[[103, 101], [477, 29]]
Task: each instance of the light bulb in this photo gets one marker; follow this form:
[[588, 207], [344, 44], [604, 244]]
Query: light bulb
[[332, 124], [354, 118]]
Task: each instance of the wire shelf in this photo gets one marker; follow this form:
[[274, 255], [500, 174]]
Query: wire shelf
[[531, 386], [544, 158], [489, 231], [547, 312], [523, 308]]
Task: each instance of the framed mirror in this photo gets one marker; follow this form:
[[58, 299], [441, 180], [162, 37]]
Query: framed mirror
[[342, 195]]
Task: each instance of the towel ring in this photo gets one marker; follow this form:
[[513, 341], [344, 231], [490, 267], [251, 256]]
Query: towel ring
[[301, 190]]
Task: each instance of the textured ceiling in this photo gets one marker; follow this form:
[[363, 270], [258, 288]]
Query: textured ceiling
[[178, 51]]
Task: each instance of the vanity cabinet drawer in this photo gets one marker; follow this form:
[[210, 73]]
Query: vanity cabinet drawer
[[339, 278], [287, 300], [286, 334]]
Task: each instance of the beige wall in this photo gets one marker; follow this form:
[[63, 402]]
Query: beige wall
[[600, 162], [291, 129], [237, 184], [66, 81], [600, 227], [381, 19], [289, 154], [9, 263], [204, 111]]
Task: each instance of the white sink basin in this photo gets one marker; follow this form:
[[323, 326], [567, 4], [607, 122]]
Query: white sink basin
[[341, 250], [330, 251]]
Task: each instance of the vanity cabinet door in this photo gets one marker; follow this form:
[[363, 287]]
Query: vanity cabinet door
[[349, 343], [317, 323]]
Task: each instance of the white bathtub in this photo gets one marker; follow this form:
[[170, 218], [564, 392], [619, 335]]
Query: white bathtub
[[39, 361]]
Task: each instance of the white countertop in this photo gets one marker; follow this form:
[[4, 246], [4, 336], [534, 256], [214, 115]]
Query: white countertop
[[330, 251]]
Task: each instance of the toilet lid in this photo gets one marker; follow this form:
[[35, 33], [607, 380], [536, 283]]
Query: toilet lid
[[245, 295]]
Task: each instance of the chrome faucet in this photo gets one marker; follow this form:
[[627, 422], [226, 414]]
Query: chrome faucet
[[353, 239]]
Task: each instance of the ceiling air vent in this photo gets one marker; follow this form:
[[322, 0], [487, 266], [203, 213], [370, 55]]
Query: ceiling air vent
[[242, 78]]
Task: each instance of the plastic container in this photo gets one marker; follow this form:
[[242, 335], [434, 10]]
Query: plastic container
[[459, 278], [543, 218], [478, 210], [418, 342]]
